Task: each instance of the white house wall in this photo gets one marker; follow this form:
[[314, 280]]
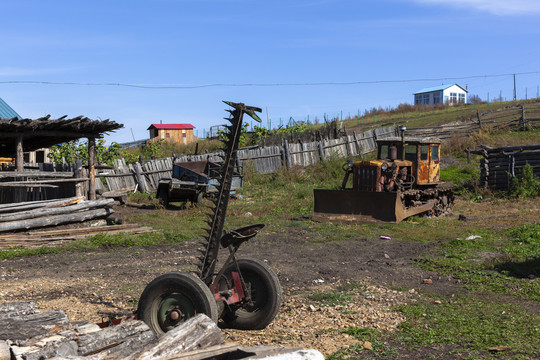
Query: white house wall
[[457, 90]]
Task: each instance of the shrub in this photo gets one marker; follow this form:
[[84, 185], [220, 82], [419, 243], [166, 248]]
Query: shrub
[[527, 186]]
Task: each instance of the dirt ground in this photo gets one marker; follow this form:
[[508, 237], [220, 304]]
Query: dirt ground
[[87, 284]]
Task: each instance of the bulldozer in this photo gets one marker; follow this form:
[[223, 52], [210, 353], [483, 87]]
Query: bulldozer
[[403, 181]]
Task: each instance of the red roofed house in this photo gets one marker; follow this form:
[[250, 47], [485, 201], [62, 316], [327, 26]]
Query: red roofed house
[[172, 133]]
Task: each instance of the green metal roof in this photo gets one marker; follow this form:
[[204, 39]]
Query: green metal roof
[[6, 112]]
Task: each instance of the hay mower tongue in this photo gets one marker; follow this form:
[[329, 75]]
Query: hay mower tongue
[[245, 293]]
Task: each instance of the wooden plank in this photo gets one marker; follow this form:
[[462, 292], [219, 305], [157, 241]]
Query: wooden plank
[[55, 220], [30, 325], [36, 213]]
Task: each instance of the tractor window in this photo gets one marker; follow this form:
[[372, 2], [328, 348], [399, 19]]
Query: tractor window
[[383, 152], [424, 153], [410, 152], [434, 152]]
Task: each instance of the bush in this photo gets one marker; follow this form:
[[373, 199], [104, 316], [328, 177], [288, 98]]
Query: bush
[[527, 186]]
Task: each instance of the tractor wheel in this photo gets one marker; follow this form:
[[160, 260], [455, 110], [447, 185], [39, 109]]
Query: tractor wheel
[[163, 197], [265, 291], [172, 298]]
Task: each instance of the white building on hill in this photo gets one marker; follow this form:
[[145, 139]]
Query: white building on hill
[[444, 94]]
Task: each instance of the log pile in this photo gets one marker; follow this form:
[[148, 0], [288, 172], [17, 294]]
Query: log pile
[[498, 165], [19, 217], [27, 334]]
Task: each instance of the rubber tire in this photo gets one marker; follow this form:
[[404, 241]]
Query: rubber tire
[[197, 199], [190, 288], [163, 197], [265, 291]]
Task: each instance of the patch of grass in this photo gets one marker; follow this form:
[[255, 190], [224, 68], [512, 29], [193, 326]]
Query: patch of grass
[[471, 322], [332, 298], [100, 240], [498, 263], [458, 174]]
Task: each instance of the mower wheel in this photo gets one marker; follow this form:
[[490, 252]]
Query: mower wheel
[[172, 298], [265, 291]]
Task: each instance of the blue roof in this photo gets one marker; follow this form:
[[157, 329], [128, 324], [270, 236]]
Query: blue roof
[[6, 112], [437, 88]]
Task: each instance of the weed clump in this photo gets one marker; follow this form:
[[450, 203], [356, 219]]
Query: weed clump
[[527, 186]]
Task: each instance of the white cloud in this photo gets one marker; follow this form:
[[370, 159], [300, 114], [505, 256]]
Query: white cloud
[[497, 7]]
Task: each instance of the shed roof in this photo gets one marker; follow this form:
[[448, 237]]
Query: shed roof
[[45, 132], [6, 111], [171, 126], [438, 88]]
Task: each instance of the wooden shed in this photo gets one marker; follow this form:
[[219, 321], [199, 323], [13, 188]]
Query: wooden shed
[[172, 133]]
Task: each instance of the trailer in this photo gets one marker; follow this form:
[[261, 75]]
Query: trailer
[[192, 180]]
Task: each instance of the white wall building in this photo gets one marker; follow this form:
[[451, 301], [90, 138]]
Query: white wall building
[[444, 94]]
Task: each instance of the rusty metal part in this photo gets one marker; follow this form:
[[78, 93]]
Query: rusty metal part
[[210, 244]]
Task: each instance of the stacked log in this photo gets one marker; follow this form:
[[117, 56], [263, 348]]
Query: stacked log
[[37, 214], [27, 334], [16, 219], [499, 165]]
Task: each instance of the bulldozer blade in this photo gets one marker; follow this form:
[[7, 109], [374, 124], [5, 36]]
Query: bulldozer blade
[[362, 207]]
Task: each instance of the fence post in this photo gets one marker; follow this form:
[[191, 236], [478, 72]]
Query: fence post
[[523, 117], [287, 154], [322, 156], [78, 174], [139, 176], [479, 120]]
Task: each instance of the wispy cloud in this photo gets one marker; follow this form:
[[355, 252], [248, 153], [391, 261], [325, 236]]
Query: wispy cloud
[[497, 7]]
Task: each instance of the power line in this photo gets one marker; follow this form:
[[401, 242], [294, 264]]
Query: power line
[[177, 86]]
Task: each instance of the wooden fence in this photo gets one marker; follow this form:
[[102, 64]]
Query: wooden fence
[[520, 117], [499, 165]]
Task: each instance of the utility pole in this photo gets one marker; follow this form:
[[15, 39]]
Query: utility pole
[[514, 87]]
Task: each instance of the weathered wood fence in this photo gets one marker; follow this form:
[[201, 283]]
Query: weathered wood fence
[[499, 165], [264, 159], [520, 117]]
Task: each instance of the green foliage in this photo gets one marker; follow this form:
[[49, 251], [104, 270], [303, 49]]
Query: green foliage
[[526, 187], [73, 150], [331, 298], [471, 322], [458, 174], [154, 149]]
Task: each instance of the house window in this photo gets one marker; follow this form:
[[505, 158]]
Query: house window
[[426, 99], [418, 99], [461, 98], [183, 134], [436, 98], [167, 135], [453, 98]]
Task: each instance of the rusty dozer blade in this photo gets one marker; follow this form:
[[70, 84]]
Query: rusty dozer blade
[[362, 207]]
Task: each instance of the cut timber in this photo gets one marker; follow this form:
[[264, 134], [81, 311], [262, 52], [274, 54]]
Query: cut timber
[[83, 230], [196, 333], [112, 336], [5, 353], [28, 205], [49, 211], [30, 325], [55, 220]]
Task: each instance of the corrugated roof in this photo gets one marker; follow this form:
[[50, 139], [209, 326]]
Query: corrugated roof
[[6, 112], [171, 126], [437, 88]]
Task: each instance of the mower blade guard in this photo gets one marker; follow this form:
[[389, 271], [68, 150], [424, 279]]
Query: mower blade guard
[[362, 207]]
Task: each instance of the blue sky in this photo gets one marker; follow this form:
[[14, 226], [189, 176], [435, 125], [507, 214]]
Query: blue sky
[[190, 43]]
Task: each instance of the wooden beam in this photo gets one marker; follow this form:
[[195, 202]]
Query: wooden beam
[[91, 168], [20, 154]]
